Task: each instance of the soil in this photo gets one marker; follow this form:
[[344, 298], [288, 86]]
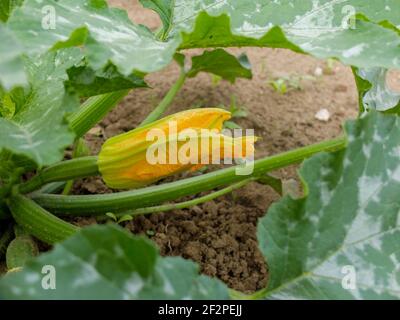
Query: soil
[[221, 235]]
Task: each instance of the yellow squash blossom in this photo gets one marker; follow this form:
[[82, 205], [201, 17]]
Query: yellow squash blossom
[[180, 142]]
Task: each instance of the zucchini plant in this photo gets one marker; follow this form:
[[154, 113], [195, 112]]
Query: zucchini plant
[[56, 54]]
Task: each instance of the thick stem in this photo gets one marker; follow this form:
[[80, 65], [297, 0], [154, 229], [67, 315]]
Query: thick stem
[[62, 171], [166, 101], [128, 200], [39, 222], [93, 110]]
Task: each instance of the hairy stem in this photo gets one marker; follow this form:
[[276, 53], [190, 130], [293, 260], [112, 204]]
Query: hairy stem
[[154, 195], [166, 101], [93, 110]]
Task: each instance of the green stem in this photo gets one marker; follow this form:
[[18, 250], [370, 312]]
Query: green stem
[[93, 110], [166, 101], [185, 204], [68, 187], [52, 187], [128, 200], [62, 171], [80, 150]]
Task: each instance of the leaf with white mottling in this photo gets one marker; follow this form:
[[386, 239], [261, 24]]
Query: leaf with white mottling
[[107, 262], [106, 34], [348, 221], [320, 28], [38, 130], [12, 71]]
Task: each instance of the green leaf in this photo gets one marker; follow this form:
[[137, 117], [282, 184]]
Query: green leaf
[[106, 34], [107, 262], [320, 28], [6, 8], [38, 130], [164, 10], [87, 82], [180, 59], [274, 182], [20, 250], [7, 107], [221, 63], [231, 125], [112, 216], [374, 93], [348, 221], [11, 66], [125, 218]]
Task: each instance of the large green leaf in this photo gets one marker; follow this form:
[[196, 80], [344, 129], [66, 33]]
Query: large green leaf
[[348, 221], [106, 34], [373, 90], [38, 129], [106, 262], [319, 28], [11, 65]]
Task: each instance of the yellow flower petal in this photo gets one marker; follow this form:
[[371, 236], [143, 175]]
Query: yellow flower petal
[[125, 160]]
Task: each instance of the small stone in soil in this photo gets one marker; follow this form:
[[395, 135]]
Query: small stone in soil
[[323, 115]]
